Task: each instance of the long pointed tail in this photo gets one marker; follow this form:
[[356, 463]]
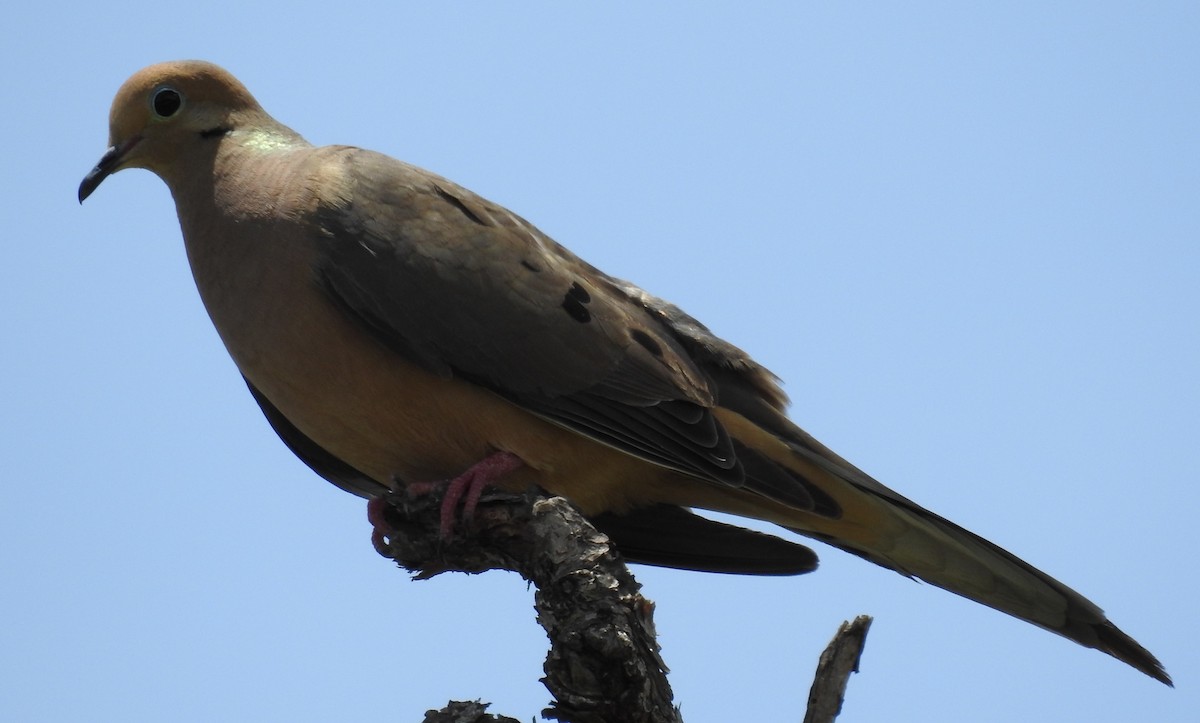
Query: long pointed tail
[[852, 511]]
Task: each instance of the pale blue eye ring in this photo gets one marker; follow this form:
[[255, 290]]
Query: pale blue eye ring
[[166, 102]]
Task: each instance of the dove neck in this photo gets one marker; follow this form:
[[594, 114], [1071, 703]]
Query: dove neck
[[235, 208], [243, 174]]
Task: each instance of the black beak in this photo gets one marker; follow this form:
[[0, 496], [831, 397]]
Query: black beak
[[108, 164]]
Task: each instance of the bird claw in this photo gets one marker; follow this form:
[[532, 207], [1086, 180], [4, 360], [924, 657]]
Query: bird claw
[[465, 489]]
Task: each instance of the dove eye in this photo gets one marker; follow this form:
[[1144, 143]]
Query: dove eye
[[166, 102]]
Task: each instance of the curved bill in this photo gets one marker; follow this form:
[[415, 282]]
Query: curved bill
[[109, 163]]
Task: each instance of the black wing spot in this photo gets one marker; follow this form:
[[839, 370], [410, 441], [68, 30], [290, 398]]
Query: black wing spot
[[531, 266], [458, 203], [575, 303], [647, 341]]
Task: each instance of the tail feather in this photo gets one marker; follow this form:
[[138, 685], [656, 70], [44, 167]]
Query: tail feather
[[881, 525], [671, 536]]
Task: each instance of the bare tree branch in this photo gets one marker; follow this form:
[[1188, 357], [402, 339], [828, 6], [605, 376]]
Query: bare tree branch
[[465, 712], [603, 663], [839, 660]]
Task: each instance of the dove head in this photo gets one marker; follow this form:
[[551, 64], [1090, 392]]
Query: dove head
[[164, 112]]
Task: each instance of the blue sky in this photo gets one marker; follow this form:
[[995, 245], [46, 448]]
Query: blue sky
[[966, 237]]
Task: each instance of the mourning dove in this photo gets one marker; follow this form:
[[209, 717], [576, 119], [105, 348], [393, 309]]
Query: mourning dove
[[396, 328]]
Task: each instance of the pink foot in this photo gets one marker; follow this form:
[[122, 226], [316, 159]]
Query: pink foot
[[465, 488], [470, 485], [376, 507]]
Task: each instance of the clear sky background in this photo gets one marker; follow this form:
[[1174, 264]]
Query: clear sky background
[[967, 237]]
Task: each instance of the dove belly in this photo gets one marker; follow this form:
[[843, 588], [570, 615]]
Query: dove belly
[[391, 419]]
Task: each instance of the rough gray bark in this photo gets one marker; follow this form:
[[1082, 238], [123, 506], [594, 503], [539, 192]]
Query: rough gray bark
[[839, 660], [472, 711], [604, 664]]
